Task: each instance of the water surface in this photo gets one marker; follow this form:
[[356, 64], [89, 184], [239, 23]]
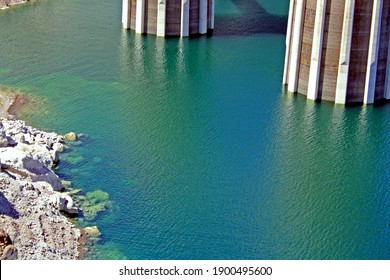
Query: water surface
[[202, 153]]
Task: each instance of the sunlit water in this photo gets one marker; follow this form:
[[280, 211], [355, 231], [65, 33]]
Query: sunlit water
[[202, 153]]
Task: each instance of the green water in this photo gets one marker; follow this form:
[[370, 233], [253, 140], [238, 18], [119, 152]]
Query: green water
[[201, 152]]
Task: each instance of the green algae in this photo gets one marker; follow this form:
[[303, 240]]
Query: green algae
[[92, 204]]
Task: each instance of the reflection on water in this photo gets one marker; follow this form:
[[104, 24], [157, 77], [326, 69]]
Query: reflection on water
[[330, 206]]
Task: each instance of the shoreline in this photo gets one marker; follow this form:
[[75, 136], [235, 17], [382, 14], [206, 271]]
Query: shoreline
[[34, 204], [11, 3], [10, 103]]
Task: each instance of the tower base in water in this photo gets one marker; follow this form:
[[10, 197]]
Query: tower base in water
[[338, 50], [169, 17]]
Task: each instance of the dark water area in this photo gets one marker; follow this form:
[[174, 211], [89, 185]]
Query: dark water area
[[202, 153], [252, 19]]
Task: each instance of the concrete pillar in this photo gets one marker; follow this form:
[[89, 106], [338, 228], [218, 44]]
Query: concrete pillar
[[373, 52], [296, 43], [387, 84], [126, 8], [202, 16], [139, 17], [185, 18], [291, 15], [345, 52], [315, 63], [161, 12], [212, 14]]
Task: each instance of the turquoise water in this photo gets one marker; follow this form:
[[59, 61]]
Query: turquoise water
[[202, 153]]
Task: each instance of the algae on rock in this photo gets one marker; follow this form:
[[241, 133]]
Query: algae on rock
[[93, 203]]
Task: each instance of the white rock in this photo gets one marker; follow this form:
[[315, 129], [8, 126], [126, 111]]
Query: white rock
[[50, 178], [92, 231], [58, 147], [3, 138], [3, 142], [67, 204], [29, 183]]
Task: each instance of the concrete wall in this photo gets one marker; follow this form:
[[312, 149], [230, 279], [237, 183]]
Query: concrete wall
[[359, 51], [331, 49], [306, 46], [173, 18], [132, 13], [169, 17], [150, 26], [194, 16], [383, 54], [343, 50]]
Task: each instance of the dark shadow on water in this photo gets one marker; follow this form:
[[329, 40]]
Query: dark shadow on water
[[7, 208], [254, 19]]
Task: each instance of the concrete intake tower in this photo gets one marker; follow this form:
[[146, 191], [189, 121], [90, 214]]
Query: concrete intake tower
[[169, 17], [338, 50]]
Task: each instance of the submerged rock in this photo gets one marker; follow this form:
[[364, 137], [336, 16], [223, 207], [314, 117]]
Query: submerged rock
[[73, 159], [71, 136], [92, 231], [93, 203], [88, 238], [66, 184]]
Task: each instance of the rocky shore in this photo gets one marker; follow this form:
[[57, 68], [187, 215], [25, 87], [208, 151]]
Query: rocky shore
[[4, 4], [32, 196]]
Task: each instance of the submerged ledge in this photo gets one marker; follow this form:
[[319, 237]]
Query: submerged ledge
[[32, 198]]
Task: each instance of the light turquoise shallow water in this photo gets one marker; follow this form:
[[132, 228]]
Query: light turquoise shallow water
[[203, 155]]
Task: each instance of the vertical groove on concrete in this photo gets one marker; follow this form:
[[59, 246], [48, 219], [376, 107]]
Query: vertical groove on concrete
[[133, 13], [185, 18], [387, 83], [203, 17], [330, 56], [373, 52], [296, 46], [211, 14], [194, 17], [173, 18], [150, 20], [359, 51], [345, 52], [316, 54], [383, 53], [161, 12], [290, 24], [306, 46]]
